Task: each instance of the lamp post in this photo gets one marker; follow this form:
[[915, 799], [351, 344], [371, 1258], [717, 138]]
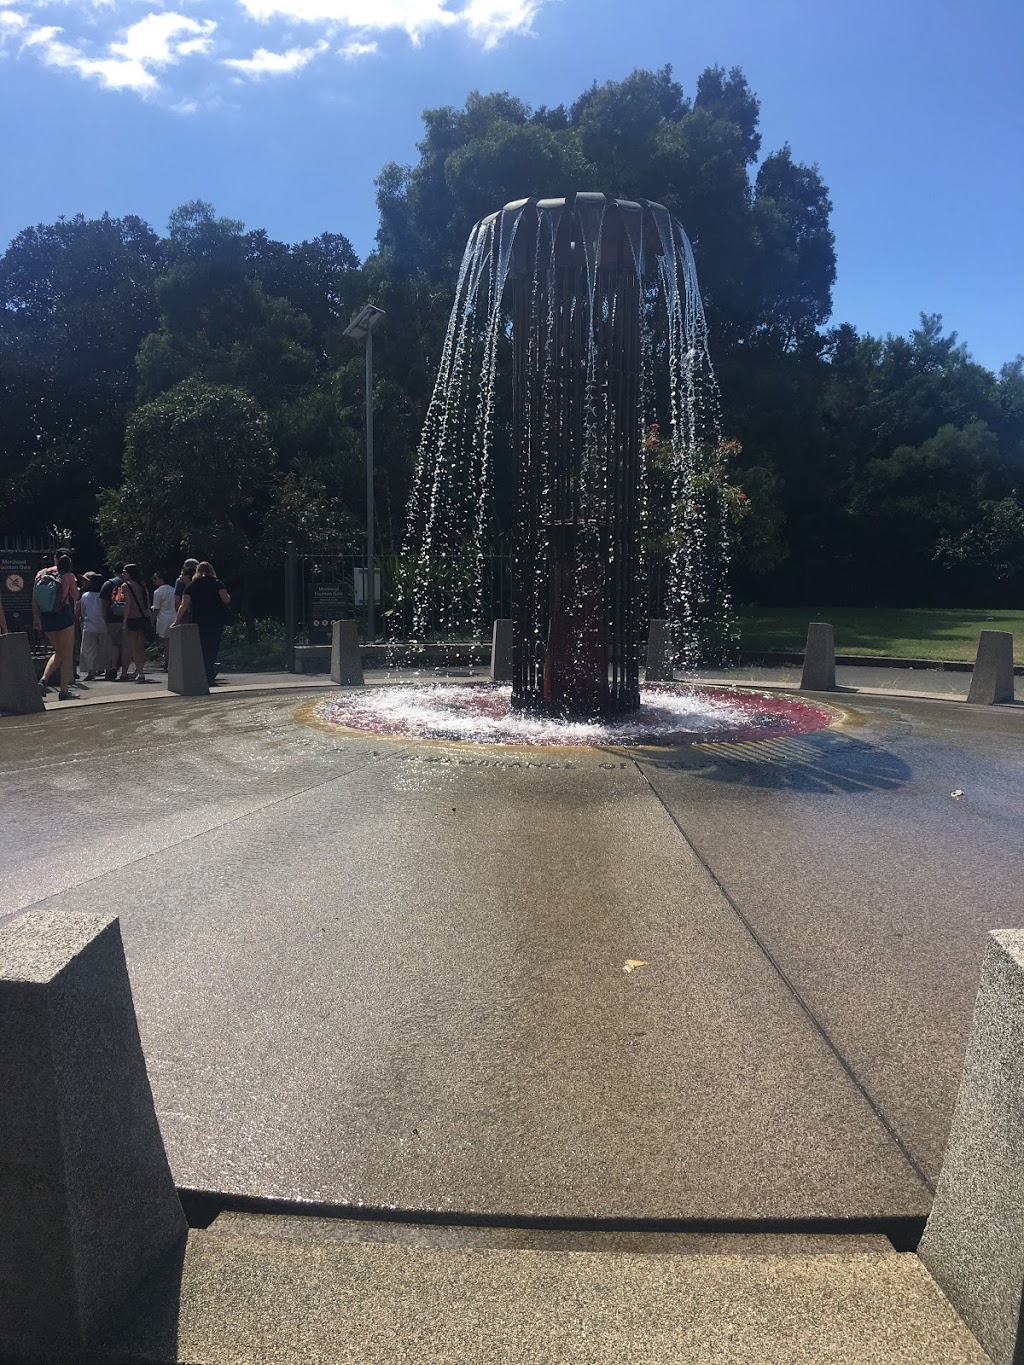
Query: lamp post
[[361, 329]]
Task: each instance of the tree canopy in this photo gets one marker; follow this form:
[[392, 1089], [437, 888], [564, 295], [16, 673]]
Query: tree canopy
[[196, 387]]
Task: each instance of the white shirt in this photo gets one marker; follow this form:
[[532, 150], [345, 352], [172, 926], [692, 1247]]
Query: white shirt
[[163, 605], [92, 614]]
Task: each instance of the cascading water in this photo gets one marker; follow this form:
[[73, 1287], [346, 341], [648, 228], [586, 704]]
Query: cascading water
[[593, 305]]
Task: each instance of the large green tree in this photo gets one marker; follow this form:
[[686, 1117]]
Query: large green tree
[[76, 299]]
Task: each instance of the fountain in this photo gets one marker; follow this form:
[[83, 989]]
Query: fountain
[[590, 307], [572, 294]]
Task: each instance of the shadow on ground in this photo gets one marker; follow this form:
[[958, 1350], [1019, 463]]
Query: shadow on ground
[[824, 763]]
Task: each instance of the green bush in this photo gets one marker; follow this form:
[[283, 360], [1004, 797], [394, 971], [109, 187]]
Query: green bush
[[238, 652]]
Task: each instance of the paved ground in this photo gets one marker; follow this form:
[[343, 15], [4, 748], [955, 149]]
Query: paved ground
[[264, 1296], [393, 974]]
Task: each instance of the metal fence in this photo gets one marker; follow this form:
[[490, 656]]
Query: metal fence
[[321, 589]]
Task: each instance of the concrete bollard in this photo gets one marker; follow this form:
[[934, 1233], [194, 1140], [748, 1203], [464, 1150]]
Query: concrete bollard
[[501, 651], [819, 673], [19, 689], [346, 664], [992, 678], [87, 1201], [660, 647], [186, 672], [974, 1242]]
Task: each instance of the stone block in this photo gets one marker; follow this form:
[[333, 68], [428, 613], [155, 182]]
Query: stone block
[[660, 651], [346, 663], [501, 651], [186, 672], [973, 1244], [819, 673], [87, 1202], [19, 688], [992, 679]]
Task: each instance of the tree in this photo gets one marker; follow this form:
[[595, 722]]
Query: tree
[[76, 298], [196, 480]]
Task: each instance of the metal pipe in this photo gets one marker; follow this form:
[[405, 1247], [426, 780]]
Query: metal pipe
[[289, 608], [371, 631]]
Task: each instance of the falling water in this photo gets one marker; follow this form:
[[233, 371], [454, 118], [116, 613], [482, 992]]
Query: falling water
[[576, 318]]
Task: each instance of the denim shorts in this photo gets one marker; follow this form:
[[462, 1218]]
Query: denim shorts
[[53, 621]]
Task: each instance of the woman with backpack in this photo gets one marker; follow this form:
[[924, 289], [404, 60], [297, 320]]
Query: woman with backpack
[[137, 617], [54, 595]]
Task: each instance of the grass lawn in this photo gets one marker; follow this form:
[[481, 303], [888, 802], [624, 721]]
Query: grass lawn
[[905, 632]]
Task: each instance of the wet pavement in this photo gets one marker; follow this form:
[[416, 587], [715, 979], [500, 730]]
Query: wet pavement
[[393, 973]]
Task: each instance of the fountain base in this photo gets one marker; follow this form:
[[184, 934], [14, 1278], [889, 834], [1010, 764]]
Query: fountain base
[[484, 713]]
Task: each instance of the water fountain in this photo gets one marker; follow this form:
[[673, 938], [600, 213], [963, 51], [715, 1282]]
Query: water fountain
[[594, 305], [590, 308]]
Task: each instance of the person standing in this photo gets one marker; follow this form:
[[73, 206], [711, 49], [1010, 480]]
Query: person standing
[[95, 640], [136, 615], [208, 600], [112, 597], [163, 610], [54, 595], [183, 580]]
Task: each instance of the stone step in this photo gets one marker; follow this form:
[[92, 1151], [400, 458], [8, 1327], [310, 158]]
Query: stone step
[[272, 1292]]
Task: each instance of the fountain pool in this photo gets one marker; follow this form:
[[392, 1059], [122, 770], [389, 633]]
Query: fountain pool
[[482, 713]]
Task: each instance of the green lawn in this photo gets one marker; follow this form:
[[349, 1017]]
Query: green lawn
[[905, 632]]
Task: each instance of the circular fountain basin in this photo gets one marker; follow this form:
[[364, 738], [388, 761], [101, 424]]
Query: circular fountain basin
[[669, 714]]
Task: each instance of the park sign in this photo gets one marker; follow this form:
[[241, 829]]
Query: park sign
[[17, 574], [327, 604]]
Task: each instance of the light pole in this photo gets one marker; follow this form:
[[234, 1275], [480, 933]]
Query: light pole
[[361, 329]]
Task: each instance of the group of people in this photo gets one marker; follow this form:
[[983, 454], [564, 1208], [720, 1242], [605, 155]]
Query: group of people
[[100, 628]]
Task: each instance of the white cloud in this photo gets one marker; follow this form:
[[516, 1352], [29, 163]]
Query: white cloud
[[11, 23], [156, 40], [142, 55], [116, 73], [265, 63], [491, 20], [355, 49], [414, 17]]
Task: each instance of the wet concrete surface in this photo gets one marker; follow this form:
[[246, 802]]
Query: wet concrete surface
[[393, 974]]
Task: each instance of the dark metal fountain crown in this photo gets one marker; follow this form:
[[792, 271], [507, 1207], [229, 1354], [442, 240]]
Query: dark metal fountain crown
[[566, 290], [576, 268]]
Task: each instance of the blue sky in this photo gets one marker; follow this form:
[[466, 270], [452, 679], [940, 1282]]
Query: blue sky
[[281, 112]]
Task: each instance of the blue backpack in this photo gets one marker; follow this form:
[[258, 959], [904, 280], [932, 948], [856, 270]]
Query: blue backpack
[[48, 591]]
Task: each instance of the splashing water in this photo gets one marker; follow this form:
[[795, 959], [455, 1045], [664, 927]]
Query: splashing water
[[483, 714], [593, 307]]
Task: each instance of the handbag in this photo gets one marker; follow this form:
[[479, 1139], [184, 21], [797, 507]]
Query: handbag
[[148, 629]]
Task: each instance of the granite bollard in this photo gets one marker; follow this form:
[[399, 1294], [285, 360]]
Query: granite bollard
[[973, 1244], [186, 672], [992, 678], [501, 651], [660, 648], [19, 690], [346, 663], [87, 1201], [819, 673]]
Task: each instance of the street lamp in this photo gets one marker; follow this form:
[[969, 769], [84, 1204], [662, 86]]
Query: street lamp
[[361, 329]]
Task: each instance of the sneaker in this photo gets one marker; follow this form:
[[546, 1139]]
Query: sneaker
[[43, 687], [110, 675], [65, 694], [90, 677]]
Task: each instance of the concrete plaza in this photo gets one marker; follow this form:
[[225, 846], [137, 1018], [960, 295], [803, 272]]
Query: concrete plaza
[[392, 974]]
